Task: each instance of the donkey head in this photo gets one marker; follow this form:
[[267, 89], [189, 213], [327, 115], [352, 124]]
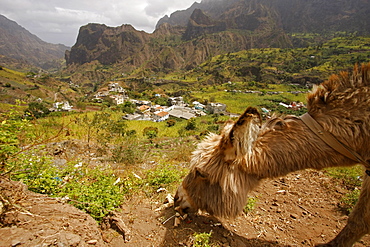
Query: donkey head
[[218, 182]]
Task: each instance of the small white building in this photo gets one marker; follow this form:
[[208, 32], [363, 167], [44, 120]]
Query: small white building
[[215, 108], [181, 112], [160, 116], [62, 106], [198, 105], [115, 87], [179, 101], [118, 99]]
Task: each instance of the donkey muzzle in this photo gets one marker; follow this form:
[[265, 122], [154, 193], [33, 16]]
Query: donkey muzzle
[[181, 203]]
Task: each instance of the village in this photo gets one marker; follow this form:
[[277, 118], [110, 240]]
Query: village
[[147, 110], [176, 107]]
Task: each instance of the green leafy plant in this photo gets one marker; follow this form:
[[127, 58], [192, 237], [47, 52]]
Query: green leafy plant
[[150, 132], [251, 203], [38, 173], [163, 175], [191, 124], [93, 190], [350, 199], [11, 127], [202, 239]]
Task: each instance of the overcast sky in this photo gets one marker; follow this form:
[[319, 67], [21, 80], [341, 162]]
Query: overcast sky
[[58, 21]]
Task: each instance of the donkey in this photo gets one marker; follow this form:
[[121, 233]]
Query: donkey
[[225, 167]]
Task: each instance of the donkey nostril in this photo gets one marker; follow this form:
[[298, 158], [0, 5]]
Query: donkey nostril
[[181, 210], [185, 210]]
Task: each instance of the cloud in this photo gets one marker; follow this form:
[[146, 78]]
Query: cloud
[[58, 21], [158, 8]]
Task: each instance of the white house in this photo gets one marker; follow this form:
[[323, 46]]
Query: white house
[[215, 108], [115, 87], [118, 99], [160, 116], [62, 106], [181, 112]]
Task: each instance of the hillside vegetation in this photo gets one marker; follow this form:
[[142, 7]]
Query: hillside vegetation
[[96, 161]]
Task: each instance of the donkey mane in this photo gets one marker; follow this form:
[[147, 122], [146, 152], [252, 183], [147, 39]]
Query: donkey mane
[[339, 103], [340, 87]]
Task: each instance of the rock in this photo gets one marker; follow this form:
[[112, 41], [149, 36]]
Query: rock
[[169, 199], [92, 242], [294, 216], [72, 239], [177, 222]]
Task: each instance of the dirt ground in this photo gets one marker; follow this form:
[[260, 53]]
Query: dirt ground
[[298, 210]]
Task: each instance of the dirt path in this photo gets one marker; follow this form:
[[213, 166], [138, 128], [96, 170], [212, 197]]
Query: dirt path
[[298, 210]]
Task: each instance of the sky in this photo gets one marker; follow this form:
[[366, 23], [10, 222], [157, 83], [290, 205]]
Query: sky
[[58, 21]]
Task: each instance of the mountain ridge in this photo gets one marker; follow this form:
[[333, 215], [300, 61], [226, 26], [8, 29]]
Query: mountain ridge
[[188, 37], [18, 43]]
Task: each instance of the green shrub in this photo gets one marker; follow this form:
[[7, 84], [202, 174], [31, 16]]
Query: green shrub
[[163, 175], [93, 190], [213, 128], [38, 173], [11, 127], [128, 153], [170, 122], [202, 239], [251, 203], [150, 132], [191, 124], [36, 110]]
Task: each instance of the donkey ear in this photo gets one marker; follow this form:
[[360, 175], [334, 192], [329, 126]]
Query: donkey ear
[[243, 133], [250, 115]]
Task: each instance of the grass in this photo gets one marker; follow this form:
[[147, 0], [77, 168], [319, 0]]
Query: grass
[[349, 178], [238, 102], [12, 74], [82, 126]]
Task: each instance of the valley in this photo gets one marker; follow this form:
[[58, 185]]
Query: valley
[[96, 138]]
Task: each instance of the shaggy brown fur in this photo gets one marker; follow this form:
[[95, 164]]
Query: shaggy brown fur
[[226, 167]]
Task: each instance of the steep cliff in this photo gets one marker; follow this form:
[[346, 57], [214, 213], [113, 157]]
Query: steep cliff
[[189, 37], [108, 45], [201, 24], [293, 15]]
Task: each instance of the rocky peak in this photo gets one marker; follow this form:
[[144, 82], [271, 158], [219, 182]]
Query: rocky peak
[[106, 44], [216, 27], [201, 24], [199, 18]]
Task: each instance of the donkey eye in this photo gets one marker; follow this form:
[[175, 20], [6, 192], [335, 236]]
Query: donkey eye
[[198, 173]]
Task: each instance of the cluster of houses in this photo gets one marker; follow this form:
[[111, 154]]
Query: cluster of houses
[[115, 92], [294, 105], [178, 109], [145, 110]]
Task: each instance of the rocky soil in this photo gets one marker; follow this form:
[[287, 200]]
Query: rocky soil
[[301, 209], [298, 210]]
